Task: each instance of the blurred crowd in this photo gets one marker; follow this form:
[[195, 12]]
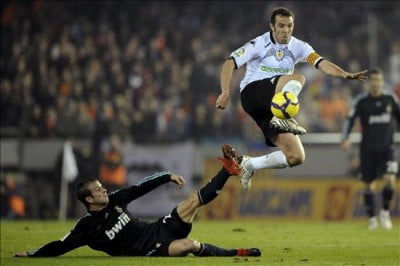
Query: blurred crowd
[[149, 71]]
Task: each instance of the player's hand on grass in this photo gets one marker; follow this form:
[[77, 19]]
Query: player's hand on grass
[[222, 101], [21, 254], [177, 179], [360, 76]]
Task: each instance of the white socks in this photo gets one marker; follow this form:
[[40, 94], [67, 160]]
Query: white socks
[[274, 160], [293, 86]]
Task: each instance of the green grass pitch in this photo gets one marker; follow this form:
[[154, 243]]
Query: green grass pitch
[[282, 243]]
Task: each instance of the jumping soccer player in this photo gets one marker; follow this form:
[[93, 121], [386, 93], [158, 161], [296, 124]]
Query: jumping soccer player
[[377, 111], [270, 60], [109, 227]]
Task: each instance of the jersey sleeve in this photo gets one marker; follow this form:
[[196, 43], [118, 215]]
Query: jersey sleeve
[[71, 241], [307, 54], [245, 53], [143, 186]]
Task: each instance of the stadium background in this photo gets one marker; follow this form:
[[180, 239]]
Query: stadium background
[[142, 77]]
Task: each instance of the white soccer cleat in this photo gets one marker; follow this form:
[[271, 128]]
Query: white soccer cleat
[[373, 223], [384, 219], [287, 126], [245, 173]]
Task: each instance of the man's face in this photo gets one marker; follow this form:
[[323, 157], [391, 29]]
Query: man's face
[[375, 84], [99, 196], [283, 29]]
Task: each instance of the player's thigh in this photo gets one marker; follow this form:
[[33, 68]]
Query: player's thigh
[[181, 247], [286, 78], [187, 209], [369, 166], [290, 145]]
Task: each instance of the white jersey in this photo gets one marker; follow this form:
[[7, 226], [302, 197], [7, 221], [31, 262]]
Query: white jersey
[[265, 58]]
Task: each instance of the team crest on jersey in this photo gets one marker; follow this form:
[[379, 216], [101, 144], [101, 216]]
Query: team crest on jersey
[[279, 54], [118, 209], [239, 52], [388, 108]]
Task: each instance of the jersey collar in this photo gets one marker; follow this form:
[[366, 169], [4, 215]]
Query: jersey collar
[[272, 37], [279, 45]]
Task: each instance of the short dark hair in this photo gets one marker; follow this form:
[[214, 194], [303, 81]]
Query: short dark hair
[[281, 11], [83, 191], [375, 71]]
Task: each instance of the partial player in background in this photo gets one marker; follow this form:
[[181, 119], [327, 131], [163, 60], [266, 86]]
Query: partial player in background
[[270, 59], [377, 111], [109, 227]]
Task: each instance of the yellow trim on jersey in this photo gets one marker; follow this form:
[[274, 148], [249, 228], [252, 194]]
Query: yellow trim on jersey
[[313, 58]]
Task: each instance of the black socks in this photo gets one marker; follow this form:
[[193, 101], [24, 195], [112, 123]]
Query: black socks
[[208, 250], [387, 194], [369, 202], [211, 190]]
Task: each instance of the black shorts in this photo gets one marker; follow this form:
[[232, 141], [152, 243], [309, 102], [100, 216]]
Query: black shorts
[[171, 227], [256, 100], [374, 164]]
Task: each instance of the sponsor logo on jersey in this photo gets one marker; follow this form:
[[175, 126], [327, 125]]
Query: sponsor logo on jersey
[[123, 220], [379, 119], [275, 69]]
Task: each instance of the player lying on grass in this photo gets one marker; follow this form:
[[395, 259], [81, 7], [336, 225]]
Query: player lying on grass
[[108, 226]]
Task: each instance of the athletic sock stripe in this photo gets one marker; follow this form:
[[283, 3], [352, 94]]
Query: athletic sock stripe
[[200, 198], [151, 177]]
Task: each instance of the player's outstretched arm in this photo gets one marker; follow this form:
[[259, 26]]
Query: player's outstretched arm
[[225, 80], [145, 185], [331, 69], [54, 249]]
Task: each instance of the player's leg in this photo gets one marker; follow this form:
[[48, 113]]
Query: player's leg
[[294, 84], [291, 147], [368, 168], [390, 168], [255, 98], [369, 203], [387, 195], [182, 247], [291, 83], [187, 209], [291, 154]]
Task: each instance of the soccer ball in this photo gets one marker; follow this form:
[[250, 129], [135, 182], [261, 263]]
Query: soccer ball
[[285, 105]]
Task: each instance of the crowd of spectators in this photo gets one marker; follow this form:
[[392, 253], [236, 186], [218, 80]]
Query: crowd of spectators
[[149, 71]]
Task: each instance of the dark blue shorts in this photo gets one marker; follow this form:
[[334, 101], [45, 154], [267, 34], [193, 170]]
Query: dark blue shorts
[[374, 164], [171, 227]]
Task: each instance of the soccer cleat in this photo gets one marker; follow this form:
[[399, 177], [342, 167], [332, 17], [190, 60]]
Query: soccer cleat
[[373, 223], [230, 160], [287, 126], [384, 219], [245, 173], [248, 252]]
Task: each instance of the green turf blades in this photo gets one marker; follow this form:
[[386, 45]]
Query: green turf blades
[[282, 243]]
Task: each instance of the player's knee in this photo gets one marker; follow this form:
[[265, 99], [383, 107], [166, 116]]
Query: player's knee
[[190, 245], [369, 186], [295, 158], [390, 180], [194, 199]]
